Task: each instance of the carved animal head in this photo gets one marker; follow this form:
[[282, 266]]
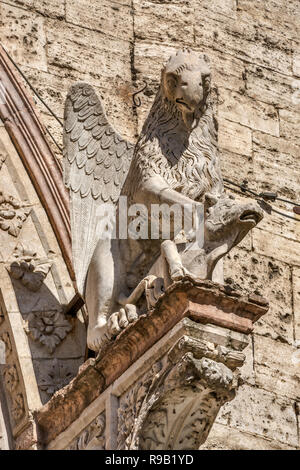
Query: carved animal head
[[186, 81], [227, 220]]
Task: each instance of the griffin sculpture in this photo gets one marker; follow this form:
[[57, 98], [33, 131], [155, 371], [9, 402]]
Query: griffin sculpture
[[175, 161]]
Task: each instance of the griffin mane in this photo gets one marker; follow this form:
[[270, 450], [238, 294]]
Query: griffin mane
[[186, 158]]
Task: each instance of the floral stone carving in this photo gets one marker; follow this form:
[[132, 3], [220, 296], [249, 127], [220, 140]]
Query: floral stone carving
[[176, 403], [93, 437], [58, 376], [28, 268], [18, 407], [48, 328], [11, 378], [13, 214]]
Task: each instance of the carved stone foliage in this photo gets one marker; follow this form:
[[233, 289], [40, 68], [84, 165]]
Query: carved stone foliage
[[28, 268], [11, 379], [18, 407], [12, 384], [13, 214], [57, 377], [2, 157], [92, 438], [48, 328], [176, 403]]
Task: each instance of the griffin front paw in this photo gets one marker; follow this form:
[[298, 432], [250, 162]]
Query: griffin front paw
[[121, 319], [178, 273]]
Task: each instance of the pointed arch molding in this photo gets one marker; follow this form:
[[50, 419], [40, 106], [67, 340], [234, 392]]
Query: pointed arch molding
[[28, 135]]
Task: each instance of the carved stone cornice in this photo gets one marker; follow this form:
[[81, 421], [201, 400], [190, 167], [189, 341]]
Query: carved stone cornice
[[28, 135], [201, 301], [180, 306]]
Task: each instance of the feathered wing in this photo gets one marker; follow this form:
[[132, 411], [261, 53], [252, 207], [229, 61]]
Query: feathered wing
[[96, 162]]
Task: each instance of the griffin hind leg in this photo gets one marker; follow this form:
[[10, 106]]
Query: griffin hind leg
[[99, 294]]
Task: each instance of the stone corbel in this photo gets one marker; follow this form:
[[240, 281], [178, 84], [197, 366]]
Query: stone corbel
[[160, 384], [177, 401]]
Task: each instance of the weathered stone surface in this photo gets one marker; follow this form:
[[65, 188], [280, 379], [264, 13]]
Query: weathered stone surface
[[296, 65], [235, 138], [276, 168], [157, 24], [244, 40], [261, 244], [296, 302], [250, 113], [269, 372], [262, 274], [290, 125], [272, 12], [26, 44], [68, 47], [268, 86], [228, 438], [223, 8], [236, 168], [52, 8], [108, 17], [261, 413]]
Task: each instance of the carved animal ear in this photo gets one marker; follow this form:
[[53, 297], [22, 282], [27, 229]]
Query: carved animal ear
[[210, 200], [171, 80]]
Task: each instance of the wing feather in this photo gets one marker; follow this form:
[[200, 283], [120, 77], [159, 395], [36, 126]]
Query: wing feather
[[96, 162]]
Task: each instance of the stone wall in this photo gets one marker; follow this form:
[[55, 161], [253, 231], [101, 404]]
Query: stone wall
[[255, 55]]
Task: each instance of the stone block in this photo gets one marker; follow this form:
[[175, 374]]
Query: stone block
[[244, 40], [227, 438], [156, 23], [23, 35], [235, 138], [272, 280], [269, 14], [262, 413], [227, 71], [219, 8], [108, 17], [52, 8], [290, 125], [296, 304], [296, 64], [72, 48], [276, 168], [269, 86], [243, 110], [281, 248], [236, 168], [270, 372]]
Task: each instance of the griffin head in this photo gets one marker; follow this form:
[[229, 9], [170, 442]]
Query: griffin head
[[186, 82]]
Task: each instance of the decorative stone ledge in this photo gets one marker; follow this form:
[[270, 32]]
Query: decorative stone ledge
[[197, 329]]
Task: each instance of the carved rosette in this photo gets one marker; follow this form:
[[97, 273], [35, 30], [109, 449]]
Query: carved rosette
[[13, 214], [57, 377], [176, 403], [92, 438], [30, 270], [48, 328]]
